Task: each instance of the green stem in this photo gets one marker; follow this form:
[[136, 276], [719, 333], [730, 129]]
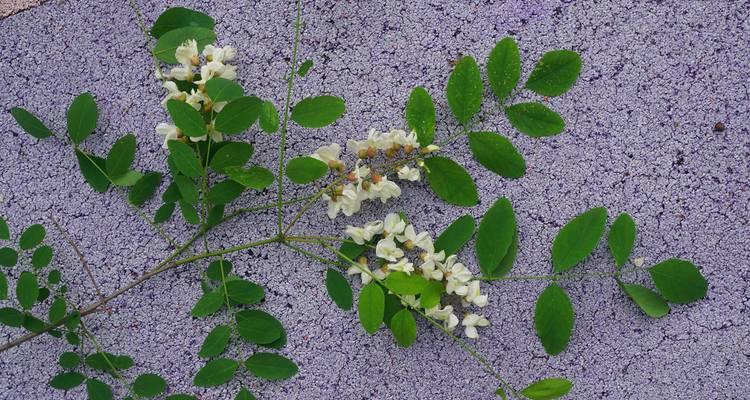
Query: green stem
[[109, 362], [215, 253]]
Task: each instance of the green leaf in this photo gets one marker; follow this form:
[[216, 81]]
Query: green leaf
[[185, 158], [420, 115], [92, 169], [164, 212], [216, 372], [546, 389], [188, 191], [180, 17], [33, 324], [430, 294], [578, 239], [553, 319], [339, 289], [371, 307], [168, 43], [451, 182], [404, 328], [121, 156], [621, 238], [67, 380], [216, 341], [269, 320], [535, 119], [510, 258], [392, 306], [144, 188], [318, 112], [219, 270], [32, 236], [245, 292], [271, 366], [8, 257], [11, 317], [257, 178], [500, 392], [27, 289], [129, 179], [495, 236], [269, 117], [98, 390], [186, 118], [455, 236], [57, 310], [555, 73], [504, 68], [302, 170], [82, 116], [304, 68], [464, 91], [54, 277], [42, 257], [224, 192], [400, 283], [208, 304], [149, 385], [30, 123], [69, 360], [72, 339], [220, 89], [4, 231], [181, 397], [497, 154], [238, 115], [350, 251], [74, 318], [231, 154], [649, 301], [188, 212], [3, 286], [102, 361], [257, 326], [679, 281]]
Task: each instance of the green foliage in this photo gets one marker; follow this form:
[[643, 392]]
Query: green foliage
[[180, 17], [216, 372], [188, 190], [208, 304], [451, 182], [57, 310], [67, 380], [145, 188], [339, 289], [420, 115], [3, 286], [231, 154], [497, 154], [304, 68], [430, 294], [220, 89], [371, 307], [259, 327], [464, 90], [649, 301], [98, 390], [8, 257], [4, 230], [121, 156], [69, 360], [188, 212], [149, 385], [404, 328], [679, 281], [239, 115], [535, 119], [504, 68], [82, 117], [167, 43], [219, 270], [244, 292], [555, 73], [455, 236], [404, 284], [271, 366], [41, 257], [11, 317], [269, 117], [164, 212], [27, 289], [224, 192], [621, 238], [32, 237], [547, 389], [184, 158], [216, 341], [303, 170], [318, 112], [257, 178], [186, 118], [103, 361], [495, 236], [553, 319], [92, 169], [30, 123], [578, 239]]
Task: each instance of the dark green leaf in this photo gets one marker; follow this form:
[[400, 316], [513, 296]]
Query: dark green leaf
[[451, 182], [181, 397], [172, 193], [130, 178], [245, 292], [67, 380], [98, 390], [74, 318], [238, 115], [149, 385], [510, 258], [219, 270], [578, 239], [3, 286], [400, 283], [420, 115], [121, 156], [42, 257], [269, 117], [188, 191], [33, 324], [186, 118], [224, 192], [304, 170], [82, 116], [32, 236], [350, 251], [547, 389], [271, 366], [431, 293], [231, 154], [57, 310], [144, 189], [11, 317], [164, 212], [220, 89], [168, 42], [69, 360], [30, 123], [679, 281], [404, 328], [535, 119], [188, 212], [256, 177], [180, 17], [4, 231], [464, 91], [185, 158], [504, 68], [392, 306], [27, 289], [257, 327], [553, 319], [73, 339], [495, 236], [497, 154], [621, 238], [371, 307], [339, 289], [105, 362], [500, 392], [317, 112], [54, 277], [8, 257], [555, 73], [216, 341], [304, 68], [649, 301], [208, 304], [216, 372], [92, 169], [455, 236]]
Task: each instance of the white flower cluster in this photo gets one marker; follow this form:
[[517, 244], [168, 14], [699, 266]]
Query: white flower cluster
[[187, 55], [396, 239], [367, 182]]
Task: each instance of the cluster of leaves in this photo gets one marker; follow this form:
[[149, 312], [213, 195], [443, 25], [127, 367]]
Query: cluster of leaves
[[554, 74]]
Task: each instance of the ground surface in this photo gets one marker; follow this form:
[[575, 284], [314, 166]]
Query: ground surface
[[657, 77]]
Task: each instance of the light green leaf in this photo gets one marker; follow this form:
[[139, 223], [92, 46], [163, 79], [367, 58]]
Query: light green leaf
[[121, 156], [400, 283], [57, 310], [11, 317], [455, 236], [495, 236], [649, 301], [464, 91], [188, 212], [302, 170], [555, 73], [339, 289], [621, 238], [144, 189], [164, 213], [318, 112], [30, 123], [430, 294], [258, 327], [187, 118], [535, 119], [4, 231], [167, 44], [271, 366], [404, 328], [41, 257], [98, 390], [224, 192], [149, 385], [8, 257], [69, 360], [269, 117], [180, 17], [208, 304], [553, 319], [129, 179], [216, 341], [451, 182], [184, 158], [504, 68], [245, 292], [82, 116], [679, 281], [188, 191], [420, 115], [578, 239], [371, 307], [67, 380], [257, 178], [547, 389], [27, 289], [231, 154], [216, 372], [239, 115], [304, 68], [497, 154], [92, 169], [220, 89]]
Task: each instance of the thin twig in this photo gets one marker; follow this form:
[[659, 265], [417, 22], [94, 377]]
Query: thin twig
[[84, 263]]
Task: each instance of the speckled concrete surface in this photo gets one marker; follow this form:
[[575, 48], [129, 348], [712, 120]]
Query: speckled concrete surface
[[657, 77], [9, 7]]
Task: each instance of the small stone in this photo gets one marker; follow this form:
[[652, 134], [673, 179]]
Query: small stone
[[638, 262], [720, 127]]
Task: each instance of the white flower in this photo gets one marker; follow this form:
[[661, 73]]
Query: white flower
[[450, 320], [431, 148], [410, 239], [404, 139], [364, 234], [393, 224], [402, 265], [385, 189], [220, 54], [216, 136], [170, 132], [473, 295], [216, 68], [409, 174], [376, 227], [361, 270], [351, 200], [182, 73], [195, 99], [326, 154], [471, 321], [187, 53], [172, 93], [457, 276], [387, 249], [410, 301], [429, 267]]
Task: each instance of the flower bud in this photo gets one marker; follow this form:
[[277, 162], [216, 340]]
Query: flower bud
[[409, 245], [408, 149], [376, 178], [366, 185], [372, 152], [195, 60], [362, 153], [362, 260]]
